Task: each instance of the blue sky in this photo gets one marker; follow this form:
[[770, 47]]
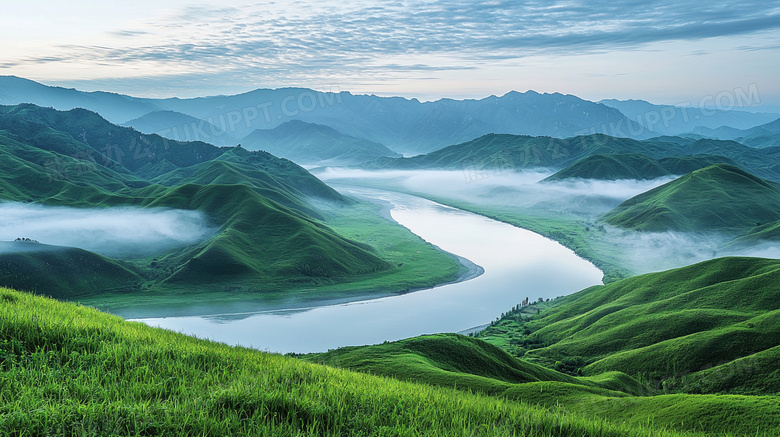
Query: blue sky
[[672, 52]]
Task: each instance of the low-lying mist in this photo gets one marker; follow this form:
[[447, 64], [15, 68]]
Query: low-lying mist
[[113, 232], [581, 200]]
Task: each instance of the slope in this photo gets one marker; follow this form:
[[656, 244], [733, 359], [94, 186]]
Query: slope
[[308, 144], [634, 166], [67, 369], [62, 272], [689, 328], [717, 198]]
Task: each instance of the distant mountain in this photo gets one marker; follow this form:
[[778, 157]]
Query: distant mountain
[[182, 127], [675, 120], [115, 108], [404, 125], [634, 166], [719, 198], [309, 143]]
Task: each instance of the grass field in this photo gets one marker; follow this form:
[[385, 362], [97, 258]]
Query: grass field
[[70, 370]]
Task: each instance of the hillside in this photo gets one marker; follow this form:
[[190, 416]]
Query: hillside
[[717, 198], [72, 369], [309, 144], [612, 167], [269, 235], [634, 166], [472, 365], [506, 153], [707, 328], [62, 272]]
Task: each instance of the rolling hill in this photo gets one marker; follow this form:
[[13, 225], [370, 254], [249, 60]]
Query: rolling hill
[[309, 144], [506, 153], [634, 166], [70, 369], [270, 236], [707, 328], [63, 272], [719, 198]]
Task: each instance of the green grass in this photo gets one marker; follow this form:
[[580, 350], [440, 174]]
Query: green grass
[[271, 238], [471, 365], [719, 198], [69, 370], [677, 329], [634, 166]]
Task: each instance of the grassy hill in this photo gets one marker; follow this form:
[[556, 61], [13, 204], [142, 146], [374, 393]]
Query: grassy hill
[[62, 272], [67, 369], [634, 166], [309, 143], [717, 198], [706, 328], [471, 365], [495, 152], [272, 234]]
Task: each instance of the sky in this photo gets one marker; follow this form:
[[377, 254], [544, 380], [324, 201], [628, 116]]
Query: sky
[[666, 52]]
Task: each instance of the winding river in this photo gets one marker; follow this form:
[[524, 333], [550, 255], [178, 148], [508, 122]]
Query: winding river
[[517, 264]]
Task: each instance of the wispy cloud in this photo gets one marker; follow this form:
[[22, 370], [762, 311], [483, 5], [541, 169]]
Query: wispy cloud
[[320, 39]]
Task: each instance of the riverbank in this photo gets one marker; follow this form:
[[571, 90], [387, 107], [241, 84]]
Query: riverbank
[[418, 265]]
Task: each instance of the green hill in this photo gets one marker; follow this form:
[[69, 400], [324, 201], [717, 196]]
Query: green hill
[[612, 167], [705, 328], [62, 272], [717, 198], [471, 365], [67, 369], [260, 241], [501, 153], [634, 166], [272, 232], [309, 143]]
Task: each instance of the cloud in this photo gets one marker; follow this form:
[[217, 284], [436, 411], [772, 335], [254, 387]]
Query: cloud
[[312, 39], [119, 231]]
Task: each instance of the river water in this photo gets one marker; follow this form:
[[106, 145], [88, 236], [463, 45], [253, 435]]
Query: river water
[[517, 264]]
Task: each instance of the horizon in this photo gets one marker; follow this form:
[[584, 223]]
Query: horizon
[[753, 108], [667, 54]]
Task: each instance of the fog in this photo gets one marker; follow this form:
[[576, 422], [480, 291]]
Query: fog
[[523, 189], [582, 200], [114, 232]]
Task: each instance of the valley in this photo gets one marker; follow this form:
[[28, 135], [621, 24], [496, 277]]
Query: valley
[[425, 267]]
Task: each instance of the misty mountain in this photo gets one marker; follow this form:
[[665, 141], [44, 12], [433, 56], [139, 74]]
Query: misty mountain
[[116, 108], [675, 120], [309, 143], [719, 198], [764, 136], [260, 230], [181, 127], [492, 154], [634, 166], [406, 126]]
